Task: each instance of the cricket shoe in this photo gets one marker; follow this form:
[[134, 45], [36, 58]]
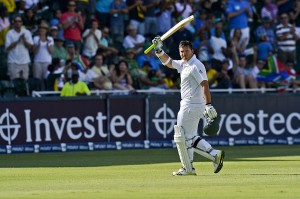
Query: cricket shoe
[[183, 172], [218, 164]]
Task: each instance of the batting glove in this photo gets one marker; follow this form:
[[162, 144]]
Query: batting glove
[[158, 44], [210, 112]]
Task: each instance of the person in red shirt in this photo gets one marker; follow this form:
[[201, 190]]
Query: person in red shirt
[[72, 24]]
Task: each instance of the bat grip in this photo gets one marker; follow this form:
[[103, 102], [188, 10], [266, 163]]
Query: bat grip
[[149, 48]]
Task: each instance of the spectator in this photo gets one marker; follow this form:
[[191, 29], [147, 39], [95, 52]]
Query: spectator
[[91, 38], [219, 46], [211, 74], [266, 29], [139, 77], [18, 43], [102, 12], [59, 50], [202, 47], [54, 31], [264, 48], [43, 47], [200, 22], [238, 13], [150, 57], [284, 6], [134, 40], [102, 74], [219, 8], [240, 44], [286, 40], [156, 78], [136, 12], [30, 21], [184, 10], [269, 11], [150, 7], [224, 77], [121, 77], [295, 16], [4, 27], [74, 87], [105, 46], [72, 24], [117, 21]]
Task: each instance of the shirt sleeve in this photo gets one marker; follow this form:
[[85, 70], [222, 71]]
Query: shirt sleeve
[[177, 64]]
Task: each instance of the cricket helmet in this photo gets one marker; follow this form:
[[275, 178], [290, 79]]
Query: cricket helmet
[[212, 127]]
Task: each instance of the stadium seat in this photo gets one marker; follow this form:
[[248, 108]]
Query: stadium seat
[[34, 84], [20, 86], [7, 89]]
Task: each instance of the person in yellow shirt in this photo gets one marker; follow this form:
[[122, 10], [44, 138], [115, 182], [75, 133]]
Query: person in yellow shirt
[[74, 87]]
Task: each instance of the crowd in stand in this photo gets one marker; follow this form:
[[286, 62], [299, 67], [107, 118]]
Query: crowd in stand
[[100, 43]]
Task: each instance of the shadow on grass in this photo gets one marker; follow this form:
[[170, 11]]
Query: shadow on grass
[[143, 156]]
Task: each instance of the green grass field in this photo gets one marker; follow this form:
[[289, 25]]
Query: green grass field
[[248, 172]]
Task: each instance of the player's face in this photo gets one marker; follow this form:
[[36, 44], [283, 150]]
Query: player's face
[[185, 53]]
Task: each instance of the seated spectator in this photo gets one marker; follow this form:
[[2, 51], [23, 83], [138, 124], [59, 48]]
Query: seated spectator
[[101, 77], [295, 17], [133, 40], [202, 47], [30, 21], [156, 78], [105, 47], [74, 87], [149, 57], [240, 44], [211, 73], [91, 38], [121, 77], [225, 76]]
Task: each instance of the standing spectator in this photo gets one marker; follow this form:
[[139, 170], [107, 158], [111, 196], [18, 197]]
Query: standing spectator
[[4, 27], [269, 10], [295, 16], [74, 87], [72, 24], [150, 17], [91, 38], [59, 50], [136, 15], [121, 77], [266, 29], [18, 43], [102, 12], [264, 48], [42, 49], [117, 21], [134, 40], [219, 46], [286, 40], [184, 10], [284, 6], [202, 47], [238, 13]]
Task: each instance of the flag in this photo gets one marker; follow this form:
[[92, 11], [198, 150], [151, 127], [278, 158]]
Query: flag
[[81, 62], [276, 73]]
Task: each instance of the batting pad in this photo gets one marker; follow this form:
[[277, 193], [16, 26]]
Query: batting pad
[[205, 154], [179, 139]]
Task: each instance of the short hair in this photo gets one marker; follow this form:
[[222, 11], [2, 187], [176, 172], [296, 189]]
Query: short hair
[[186, 43]]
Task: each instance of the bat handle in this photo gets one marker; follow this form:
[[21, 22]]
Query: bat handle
[[149, 49]]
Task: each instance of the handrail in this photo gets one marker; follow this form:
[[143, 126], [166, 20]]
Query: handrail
[[164, 91]]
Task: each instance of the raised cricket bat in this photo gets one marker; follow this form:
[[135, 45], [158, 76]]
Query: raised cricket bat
[[170, 32]]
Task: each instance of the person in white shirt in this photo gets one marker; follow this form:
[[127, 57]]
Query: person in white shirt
[[134, 40], [195, 100], [18, 43], [91, 39], [42, 50]]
